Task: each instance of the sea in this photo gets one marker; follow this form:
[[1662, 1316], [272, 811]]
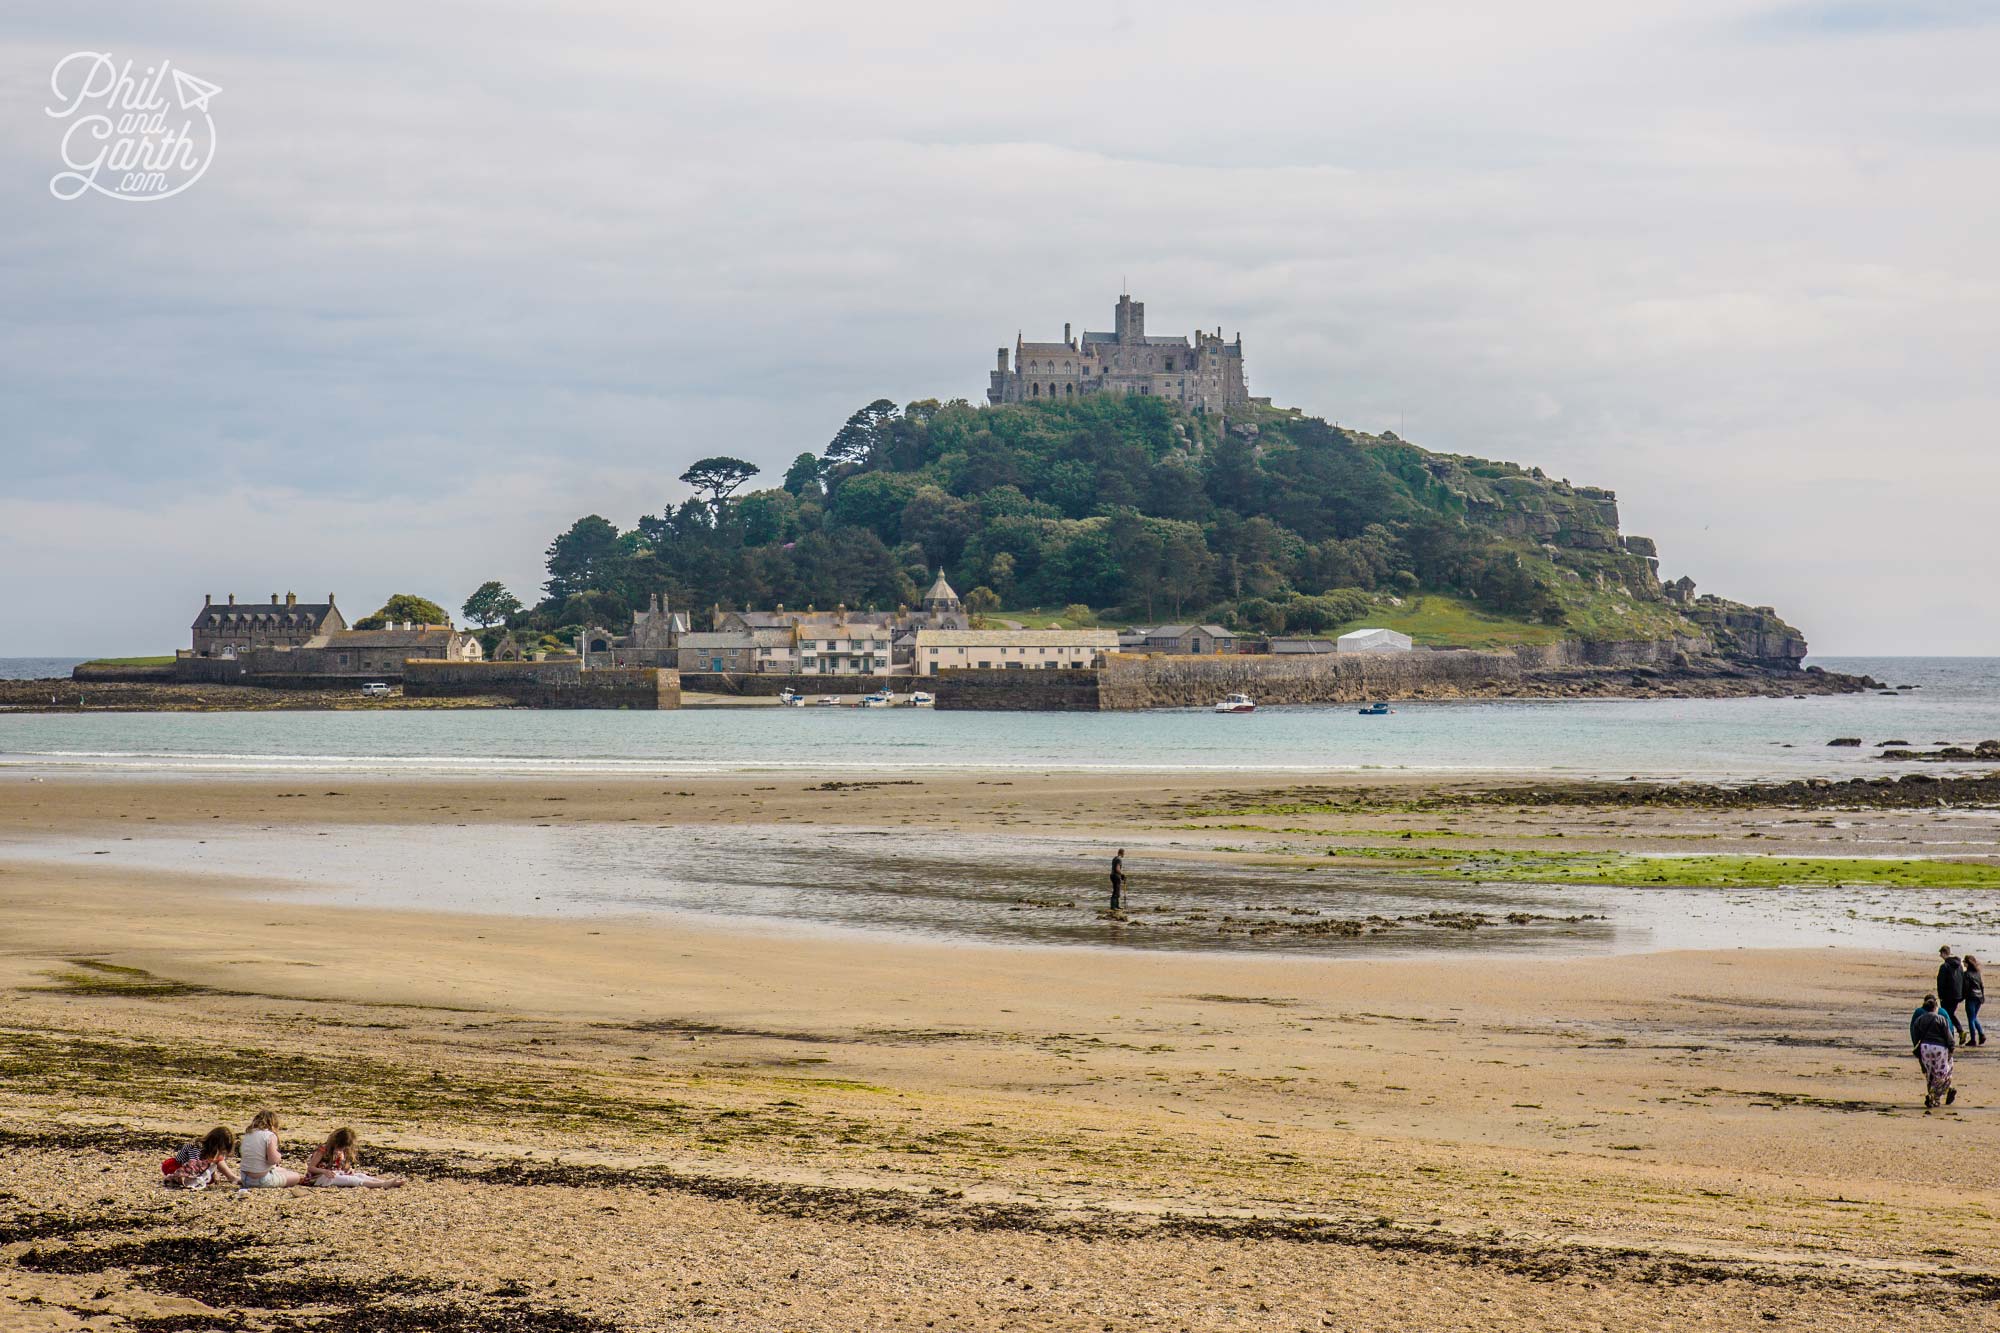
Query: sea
[[1025, 887], [1950, 699]]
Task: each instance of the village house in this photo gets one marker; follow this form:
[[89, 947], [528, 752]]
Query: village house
[[845, 648], [1011, 649], [724, 650], [653, 640], [382, 652], [233, 628], [777, 651], [1180, 639]]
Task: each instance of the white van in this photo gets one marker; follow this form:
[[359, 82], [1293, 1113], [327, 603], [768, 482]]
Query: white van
[[375, 689]]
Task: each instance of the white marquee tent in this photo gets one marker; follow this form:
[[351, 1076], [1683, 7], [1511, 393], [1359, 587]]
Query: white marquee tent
[[1374, 641]]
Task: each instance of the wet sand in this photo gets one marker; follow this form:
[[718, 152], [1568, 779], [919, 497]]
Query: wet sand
[[639, 1124]]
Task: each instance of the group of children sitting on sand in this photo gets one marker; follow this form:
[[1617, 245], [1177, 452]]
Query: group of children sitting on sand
[[260, 1164]]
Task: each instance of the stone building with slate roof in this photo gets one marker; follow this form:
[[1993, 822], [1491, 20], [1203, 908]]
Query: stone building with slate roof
[[234, 628]]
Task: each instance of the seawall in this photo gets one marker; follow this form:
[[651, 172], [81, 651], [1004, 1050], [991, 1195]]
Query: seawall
[[558, 684], [1640, 669], [762, 685], [1070, 690]]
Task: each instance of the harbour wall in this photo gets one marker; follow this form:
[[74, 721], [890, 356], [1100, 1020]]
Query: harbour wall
[[556, 684], [1071, 690], [1133, 681], [160, 673], [761, 685]]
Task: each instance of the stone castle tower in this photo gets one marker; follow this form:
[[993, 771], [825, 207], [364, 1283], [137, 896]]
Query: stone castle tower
[[1202, 374]]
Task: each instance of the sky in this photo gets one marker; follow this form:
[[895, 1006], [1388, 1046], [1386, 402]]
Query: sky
[[458, 273]]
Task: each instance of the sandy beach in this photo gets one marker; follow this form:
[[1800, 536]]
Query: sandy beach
[[633, 1122]]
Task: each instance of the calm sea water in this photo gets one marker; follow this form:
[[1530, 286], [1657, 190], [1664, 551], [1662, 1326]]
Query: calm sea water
[[37, 668], [1958, 700]]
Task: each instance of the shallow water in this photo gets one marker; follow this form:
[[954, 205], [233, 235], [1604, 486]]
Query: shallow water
[[1959, 700], [1006, 889]]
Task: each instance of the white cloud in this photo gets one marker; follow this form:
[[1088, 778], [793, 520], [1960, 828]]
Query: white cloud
[[463, 272]]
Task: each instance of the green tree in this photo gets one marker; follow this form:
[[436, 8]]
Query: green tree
[[585, 557], [1077, 614], [717, 478], [861, 433], [405, 607], [982, 601], [491, 604], [803, 475]]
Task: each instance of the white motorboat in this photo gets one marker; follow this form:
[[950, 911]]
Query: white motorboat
[[1236, 703], [791, 699], [879, 699], [826, 701], [922, 699]]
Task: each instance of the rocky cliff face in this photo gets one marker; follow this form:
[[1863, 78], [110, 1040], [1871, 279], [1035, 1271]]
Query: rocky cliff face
[[1576, 529], [1748, 633]]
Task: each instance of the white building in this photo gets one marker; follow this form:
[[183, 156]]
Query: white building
[[1373, 641], [1012, 649], [845, 648]]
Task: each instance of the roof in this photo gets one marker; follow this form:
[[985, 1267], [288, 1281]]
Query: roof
[[266, 613], [1182, 631], [1046, 349], [941, 591], [1017, 638], [775, 636], [721, 639], [1303, 646], [422, 636], [1375, 632], [844, 629]]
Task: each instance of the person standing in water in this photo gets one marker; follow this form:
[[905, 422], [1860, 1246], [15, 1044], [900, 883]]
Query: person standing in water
[[1975, 995], [1118, 881], [1950, 988], [1932, 1039]]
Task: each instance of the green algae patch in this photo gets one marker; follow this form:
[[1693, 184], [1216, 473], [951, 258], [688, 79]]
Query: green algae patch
[[96, 977], [1706, 871]]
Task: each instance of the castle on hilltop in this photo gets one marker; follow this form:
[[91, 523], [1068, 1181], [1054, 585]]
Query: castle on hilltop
[[1203, 374]]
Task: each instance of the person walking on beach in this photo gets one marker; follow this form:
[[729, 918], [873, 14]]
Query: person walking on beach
[[1950, 987], [1118, 881], [261, 1157], [1975, 995], [1932, 1039]]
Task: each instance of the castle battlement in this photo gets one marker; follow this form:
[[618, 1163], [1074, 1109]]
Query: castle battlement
[[1202, 373]]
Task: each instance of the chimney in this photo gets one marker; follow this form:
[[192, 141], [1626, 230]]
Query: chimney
[[291, 599], [1066, 337], [1003, 361], [208, 599], [329, 599], [232, 599]]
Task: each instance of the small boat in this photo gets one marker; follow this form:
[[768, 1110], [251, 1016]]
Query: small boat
[[791, 699], [826, 701], [1236, 703], [1375, 710], [879, 699], [922, 699]]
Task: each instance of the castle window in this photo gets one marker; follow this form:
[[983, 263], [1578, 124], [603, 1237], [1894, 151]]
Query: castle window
[[1069, 388], [1035, 392]]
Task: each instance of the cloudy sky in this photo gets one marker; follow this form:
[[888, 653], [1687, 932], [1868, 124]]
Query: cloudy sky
[[462, 272]]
